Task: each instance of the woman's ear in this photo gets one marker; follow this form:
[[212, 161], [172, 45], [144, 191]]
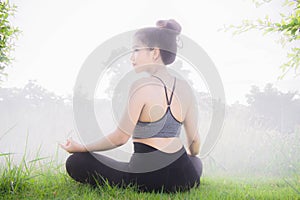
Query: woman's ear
[[156, 53]]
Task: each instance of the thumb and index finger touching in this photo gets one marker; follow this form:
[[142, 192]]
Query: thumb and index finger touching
[[66, 144]]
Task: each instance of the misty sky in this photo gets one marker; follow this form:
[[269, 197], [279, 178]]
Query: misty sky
[[59, 35]]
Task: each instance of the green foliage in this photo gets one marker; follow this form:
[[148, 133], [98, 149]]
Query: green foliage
[[48, 180], [7, 35], [288, 28]]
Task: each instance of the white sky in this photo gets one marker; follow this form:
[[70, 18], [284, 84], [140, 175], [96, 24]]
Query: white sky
[[59, 35]]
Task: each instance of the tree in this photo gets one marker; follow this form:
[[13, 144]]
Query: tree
[[288, 27], [7, 35], [281, 110]]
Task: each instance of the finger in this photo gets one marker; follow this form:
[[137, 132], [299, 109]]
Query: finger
[[68, 142], [72, 141], [63, 146]]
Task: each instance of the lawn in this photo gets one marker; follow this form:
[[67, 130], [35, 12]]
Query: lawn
[[33, 180]]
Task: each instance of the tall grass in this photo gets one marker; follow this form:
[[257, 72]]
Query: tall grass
[[44, 178], [244, 150], [16, 177]]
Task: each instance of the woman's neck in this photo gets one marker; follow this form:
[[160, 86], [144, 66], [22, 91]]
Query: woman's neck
[[161, 72]]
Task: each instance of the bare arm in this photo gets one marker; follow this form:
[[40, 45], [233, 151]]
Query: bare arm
[[122, 133], [113, 140], [191, 127]]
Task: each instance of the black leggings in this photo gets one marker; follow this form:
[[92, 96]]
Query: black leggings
[[149, 169]]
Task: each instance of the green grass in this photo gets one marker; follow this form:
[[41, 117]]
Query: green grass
[[33, 180]]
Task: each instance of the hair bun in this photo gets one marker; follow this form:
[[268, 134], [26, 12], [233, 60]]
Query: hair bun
[[169, 24]]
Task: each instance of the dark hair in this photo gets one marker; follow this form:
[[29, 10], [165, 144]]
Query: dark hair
[[163, 36]]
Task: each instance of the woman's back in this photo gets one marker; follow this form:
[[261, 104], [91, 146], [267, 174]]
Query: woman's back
[[156, 107], [156, 103]]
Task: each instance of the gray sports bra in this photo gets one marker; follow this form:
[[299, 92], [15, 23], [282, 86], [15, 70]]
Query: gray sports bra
[[167, 126]]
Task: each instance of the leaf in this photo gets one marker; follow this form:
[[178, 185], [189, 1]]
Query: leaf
[[267, 17], [5, 154], [294, 31], [291, 3], [282, 15]]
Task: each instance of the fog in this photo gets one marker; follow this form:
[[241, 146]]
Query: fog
[[260, 138]]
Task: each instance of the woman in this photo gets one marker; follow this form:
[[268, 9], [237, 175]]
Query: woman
[[153, 117]]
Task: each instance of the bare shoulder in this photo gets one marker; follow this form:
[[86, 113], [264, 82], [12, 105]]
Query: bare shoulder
[[139, 85], [144, 85], [184, 87]]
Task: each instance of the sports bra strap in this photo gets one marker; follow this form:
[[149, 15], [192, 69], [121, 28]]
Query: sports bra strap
[[172, 91], [168, 102]]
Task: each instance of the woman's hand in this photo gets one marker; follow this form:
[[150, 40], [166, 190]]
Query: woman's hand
[[188, 152], [71, 146]]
